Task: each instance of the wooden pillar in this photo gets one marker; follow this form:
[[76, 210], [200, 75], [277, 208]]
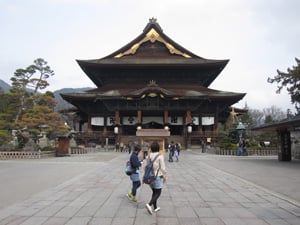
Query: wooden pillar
[[188, 117], [166, 116], [216, 125], [105, 125], [139, 117], [104, 133], [117, 117], [90, 129], [105, 130]]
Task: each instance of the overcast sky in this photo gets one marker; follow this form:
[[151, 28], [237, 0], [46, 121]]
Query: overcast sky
[[257, 36]]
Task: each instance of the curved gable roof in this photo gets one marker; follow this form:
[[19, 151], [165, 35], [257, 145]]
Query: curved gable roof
[[151, 50]]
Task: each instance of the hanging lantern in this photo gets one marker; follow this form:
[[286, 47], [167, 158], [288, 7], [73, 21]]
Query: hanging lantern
[[116, 130], [189, 129]]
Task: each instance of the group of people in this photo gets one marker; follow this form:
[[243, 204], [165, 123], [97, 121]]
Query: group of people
[[174, 150], [121, 147], [159, 170]]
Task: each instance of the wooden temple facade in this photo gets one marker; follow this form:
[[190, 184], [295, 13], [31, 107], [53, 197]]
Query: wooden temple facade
[[152, 83]]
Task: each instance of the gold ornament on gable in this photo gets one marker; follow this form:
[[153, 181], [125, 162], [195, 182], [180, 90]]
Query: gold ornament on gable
[[152, 36]]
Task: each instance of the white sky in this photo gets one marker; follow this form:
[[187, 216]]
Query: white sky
[[258, 36]]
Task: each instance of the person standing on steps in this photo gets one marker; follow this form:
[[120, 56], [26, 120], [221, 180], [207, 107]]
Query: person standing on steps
[[135, 176], [160, 172]]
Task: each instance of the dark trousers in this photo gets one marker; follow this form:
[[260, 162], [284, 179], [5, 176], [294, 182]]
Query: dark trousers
[[155, 195], [171, 154], [135, 186]]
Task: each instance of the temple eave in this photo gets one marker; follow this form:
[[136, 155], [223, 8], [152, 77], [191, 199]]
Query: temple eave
[[182, 63]]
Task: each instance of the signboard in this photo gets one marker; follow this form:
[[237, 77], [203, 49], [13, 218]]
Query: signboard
[[129, 120], [208, 120], [195, 120], [175, 120], [97, 121], [110, 121]]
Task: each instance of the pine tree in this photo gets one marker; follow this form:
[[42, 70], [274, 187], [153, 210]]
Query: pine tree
[[290, 80]]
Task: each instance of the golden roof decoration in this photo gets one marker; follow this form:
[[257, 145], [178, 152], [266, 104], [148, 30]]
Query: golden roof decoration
[[152, 36]]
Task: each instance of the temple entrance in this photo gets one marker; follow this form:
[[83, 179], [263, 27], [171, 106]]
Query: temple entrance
[[159, 140], [151, 135], [153, 125]]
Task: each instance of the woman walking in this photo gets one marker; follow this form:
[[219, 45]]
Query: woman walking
[[135, 176], [160, 171]]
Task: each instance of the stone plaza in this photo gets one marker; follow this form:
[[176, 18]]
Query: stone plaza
[[201, 188]]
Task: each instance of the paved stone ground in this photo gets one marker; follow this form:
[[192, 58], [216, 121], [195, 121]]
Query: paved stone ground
[[22, 178], [200, 189]]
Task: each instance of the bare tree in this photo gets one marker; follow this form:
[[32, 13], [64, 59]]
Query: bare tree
[[274, 113]]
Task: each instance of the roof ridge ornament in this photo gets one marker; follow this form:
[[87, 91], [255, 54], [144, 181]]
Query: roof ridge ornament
[[152, 83], [152, 35], [152, 20]]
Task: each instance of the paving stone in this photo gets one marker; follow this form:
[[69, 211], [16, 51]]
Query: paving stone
[[233, 221], [204, 212], [50, 210], [56, 221], [224, 212], [102, 221], [87, 210], [13, 220], [36, 220], [68, 211], [78, 221], [256, 222], [123, 221], [29, 211], [243, 213], [211, 221], [277, 222], [185, 212], [168, 221]]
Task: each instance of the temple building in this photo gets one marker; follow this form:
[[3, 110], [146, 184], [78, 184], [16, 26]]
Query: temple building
[[152, 84]]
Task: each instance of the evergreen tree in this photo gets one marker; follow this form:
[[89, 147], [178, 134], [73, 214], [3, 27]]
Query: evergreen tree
[[34, 76], [290, 80], [269, 119], [21, 108]]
